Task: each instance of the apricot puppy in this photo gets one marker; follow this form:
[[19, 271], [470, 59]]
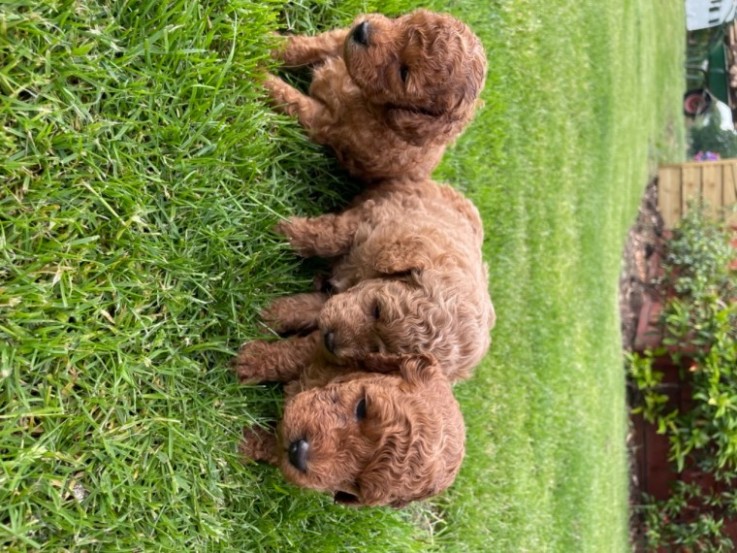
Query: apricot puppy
[[408, 278], [387, 95], [367, 438]]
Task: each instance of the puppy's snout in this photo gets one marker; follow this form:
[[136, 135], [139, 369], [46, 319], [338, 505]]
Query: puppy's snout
[[360, 33], [297, 453], [329, 341]]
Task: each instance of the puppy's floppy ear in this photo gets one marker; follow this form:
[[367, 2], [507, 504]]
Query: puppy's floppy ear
[[405, 252], [419, 369], [381, 362], [414, 368], [451, 111], [418, 127], [408, 464], [373, 484]]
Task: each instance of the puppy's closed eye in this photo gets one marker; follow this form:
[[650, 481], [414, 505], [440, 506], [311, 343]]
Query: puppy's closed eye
[[403, 73], [376, 311], [361, 409]]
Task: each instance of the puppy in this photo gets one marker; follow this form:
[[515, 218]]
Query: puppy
[[387, 95], [408, 278], [368, 439]]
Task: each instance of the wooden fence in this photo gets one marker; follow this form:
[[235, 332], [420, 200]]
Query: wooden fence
[[715, 182]]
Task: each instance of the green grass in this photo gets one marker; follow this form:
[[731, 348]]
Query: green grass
[[141, 174], [579, 106]]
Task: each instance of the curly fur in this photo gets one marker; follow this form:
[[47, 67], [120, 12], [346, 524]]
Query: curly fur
[[387, 95], [403, 443], [408, 278]]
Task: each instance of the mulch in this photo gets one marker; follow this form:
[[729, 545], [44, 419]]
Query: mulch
[[644, 244], [643, 239]]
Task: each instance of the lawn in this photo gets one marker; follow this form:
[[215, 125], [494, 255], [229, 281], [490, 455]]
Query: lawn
[[141, 175]]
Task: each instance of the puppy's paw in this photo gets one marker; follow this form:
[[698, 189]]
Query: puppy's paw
[[248, 364], [276, 316], [299, 233], [292, 314], [259, 444], [280, 43], [274, 86], [285, 226]]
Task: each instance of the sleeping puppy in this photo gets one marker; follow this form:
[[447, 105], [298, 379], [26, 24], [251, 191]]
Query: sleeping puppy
[[408, 278]]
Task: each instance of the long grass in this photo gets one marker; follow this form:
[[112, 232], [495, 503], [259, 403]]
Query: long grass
[[141, 175]]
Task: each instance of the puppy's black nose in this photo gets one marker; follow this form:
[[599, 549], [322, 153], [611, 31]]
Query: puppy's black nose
[[329, 340], [298, 454], [360, 33]]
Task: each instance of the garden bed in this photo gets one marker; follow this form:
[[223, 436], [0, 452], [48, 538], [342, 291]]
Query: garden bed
[[642, 301]]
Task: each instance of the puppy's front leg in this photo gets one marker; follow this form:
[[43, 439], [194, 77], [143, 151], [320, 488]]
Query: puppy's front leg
[[291, 101], [328, 235], [294, 313], [307, 50], [280, 361], [259, 444]]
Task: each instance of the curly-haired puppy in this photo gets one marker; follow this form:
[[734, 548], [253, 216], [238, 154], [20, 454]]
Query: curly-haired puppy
[[408, 278], [387, 95], [367, 438]]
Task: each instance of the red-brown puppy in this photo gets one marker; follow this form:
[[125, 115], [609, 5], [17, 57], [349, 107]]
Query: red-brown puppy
[[387, 95], [385, 437]]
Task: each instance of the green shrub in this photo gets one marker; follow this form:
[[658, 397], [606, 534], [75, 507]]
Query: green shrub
[[664, 524], [697, 259], [700, 335]]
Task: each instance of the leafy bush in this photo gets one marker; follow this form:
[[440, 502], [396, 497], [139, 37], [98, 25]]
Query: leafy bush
[[664, 524], [697, 258], [700, 335]]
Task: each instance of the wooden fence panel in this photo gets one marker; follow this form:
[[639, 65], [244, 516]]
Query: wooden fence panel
[[711, 188], [730, 193], [669, 195], [691, 186], [715, 182]]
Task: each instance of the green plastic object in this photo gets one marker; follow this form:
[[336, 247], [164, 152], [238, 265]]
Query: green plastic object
[[717, 75]]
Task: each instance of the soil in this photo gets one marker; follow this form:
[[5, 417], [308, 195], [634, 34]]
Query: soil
[[636, 287], [644, 238]]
